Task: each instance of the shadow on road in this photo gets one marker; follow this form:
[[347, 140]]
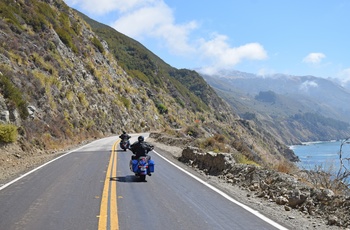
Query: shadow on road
[[127, 179], [122, 151]]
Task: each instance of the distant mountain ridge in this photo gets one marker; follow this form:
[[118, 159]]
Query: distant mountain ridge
[[295, 96]]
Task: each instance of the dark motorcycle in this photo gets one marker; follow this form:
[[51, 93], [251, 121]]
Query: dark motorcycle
[[125, 144]]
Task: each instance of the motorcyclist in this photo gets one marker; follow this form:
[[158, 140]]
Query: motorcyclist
[[125, 137], [141, 148]]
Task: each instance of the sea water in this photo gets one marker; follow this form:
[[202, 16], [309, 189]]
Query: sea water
[[322, 155]]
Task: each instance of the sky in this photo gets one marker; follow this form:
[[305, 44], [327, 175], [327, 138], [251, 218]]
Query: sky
[[264, 37]]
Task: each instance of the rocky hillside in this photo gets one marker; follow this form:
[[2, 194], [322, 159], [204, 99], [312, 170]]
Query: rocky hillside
[[65, 79]]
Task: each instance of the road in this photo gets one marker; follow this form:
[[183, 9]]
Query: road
[[93, 188]]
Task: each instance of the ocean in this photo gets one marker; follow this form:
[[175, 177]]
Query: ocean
[[323, 155]]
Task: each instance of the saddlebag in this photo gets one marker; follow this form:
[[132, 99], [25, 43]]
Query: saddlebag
[[134, 165], [151, 166]]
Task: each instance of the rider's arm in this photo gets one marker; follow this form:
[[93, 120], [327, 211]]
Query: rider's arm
[[149, 147]]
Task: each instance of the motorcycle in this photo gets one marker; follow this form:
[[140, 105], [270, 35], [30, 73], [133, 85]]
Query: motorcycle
[[124, 144], [142, 167]]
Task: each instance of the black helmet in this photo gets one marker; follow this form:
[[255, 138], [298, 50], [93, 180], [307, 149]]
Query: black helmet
[[124, 132], [141, 138]]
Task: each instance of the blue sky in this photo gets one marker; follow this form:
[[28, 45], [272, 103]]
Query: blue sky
[[295, 37]]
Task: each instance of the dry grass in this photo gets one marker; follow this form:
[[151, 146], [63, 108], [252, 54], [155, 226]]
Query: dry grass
[[242, 159], [285, 167], [323, 176]]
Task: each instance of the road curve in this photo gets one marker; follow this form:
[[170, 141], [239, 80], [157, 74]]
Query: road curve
[[93, 188]]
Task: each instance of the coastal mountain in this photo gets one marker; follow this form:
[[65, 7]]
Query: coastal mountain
[[293, 108], [66, 79]]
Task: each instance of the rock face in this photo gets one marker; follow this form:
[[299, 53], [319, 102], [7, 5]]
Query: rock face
[[210, 162], [280, 188]]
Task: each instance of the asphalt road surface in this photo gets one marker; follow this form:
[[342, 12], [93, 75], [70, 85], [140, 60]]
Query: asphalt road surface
[[93, 188]]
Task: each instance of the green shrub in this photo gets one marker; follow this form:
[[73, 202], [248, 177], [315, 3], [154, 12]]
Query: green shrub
[[193, 131], [215, 143], [98, 44], [126, 102], [8, 133], [47, 11], [242, 159], [14, 94], [38, 22], [83, 100], [65, 22], [8, 13], [138, 74], [66, 39], [162, 108]]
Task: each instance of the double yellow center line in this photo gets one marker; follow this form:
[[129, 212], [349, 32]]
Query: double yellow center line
[[109, 195]]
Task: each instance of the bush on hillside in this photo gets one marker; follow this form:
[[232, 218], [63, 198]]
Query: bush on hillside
[[66, 39], [98, 44], [162, 109], [14, 95], [8, 133]]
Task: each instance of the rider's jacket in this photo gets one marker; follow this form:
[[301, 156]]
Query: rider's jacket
[[140, 148], [124, 136]]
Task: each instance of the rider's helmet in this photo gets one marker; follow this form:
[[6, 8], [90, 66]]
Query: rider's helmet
[[140, 138], [124, 132]]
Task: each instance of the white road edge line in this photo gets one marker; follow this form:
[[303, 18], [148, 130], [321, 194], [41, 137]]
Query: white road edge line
[[41, 166], [256, 213]]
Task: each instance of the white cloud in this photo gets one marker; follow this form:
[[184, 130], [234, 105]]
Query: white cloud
[[156, 21], [314, 58], [344, 76], [306, 85], [266, 72], [220, 54], [143, 21]]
